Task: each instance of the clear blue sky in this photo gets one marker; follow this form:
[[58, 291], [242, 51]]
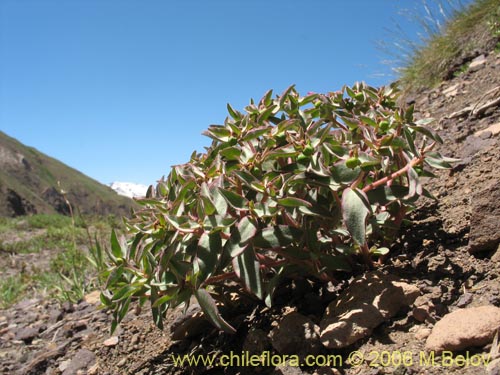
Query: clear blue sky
[[121, 90]]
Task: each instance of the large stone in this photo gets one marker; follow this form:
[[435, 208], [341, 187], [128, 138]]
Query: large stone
[[366, 303], [485, 219], [296, 335], [464, 328]]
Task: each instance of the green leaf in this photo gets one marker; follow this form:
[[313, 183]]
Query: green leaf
[[231, 153], [218, 199], [428, 133], [410, 139], [379, 251], [285, 95], [272, 285], [414, 183], [241, 236], [256, 132], [125, 292], [267, 99], [235, 200], [409, 114], [293, 202], [211, 312], [250, 181], [218, 132], [209, 248], [437, 161], [283, 152], [342, 174], [276, 237], [217, 222], [234, 114], [123, 309], [116, 248], [368, 121], [247, 269], [182, 223], [355, 210]]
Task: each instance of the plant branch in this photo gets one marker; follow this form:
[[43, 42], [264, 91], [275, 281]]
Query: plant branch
[[382, 181]]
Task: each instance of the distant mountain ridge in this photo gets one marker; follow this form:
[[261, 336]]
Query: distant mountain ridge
[[32, 182], [129, 189]]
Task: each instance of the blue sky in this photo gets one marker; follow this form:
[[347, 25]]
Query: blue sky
[[121, 90]]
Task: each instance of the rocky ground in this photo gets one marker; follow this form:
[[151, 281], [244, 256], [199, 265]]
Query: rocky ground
[[433, 308]]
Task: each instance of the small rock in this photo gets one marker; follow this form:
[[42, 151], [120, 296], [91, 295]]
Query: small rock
[[287, 370], [464, 328], [82, 360], [191, 324], [496, 257], [485, 220], [492, 129], [451, 91], [296, 334], [464, 300], [93, 298], [112, 341], [424, 309], [26, 304], [55, 315], [366, 303], [477, 63], [64, 365], [422, 333], [135, 339], [93, 370], [256, 342], [27, 334], [327, 371], [122, 362], [68, 307]]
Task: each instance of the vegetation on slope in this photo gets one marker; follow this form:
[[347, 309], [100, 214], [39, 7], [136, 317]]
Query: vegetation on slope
[[470, 31], [31, 182], [64, 267]]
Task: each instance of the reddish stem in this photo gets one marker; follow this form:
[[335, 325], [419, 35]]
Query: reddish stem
[[382, 181]]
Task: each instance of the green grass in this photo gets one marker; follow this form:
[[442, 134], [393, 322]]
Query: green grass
[[70, 272], [12, 289], [443, 53]]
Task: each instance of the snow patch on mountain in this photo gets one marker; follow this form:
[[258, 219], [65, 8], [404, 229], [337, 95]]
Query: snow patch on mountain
[[129, 189]]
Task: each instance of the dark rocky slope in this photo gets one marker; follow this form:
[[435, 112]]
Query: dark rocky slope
[[31, 182]]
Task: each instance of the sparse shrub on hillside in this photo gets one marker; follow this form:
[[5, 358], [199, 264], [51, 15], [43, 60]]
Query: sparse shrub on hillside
[[314, 184], [449, 40]]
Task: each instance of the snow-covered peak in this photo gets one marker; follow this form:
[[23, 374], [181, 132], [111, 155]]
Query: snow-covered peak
[[129, 189]]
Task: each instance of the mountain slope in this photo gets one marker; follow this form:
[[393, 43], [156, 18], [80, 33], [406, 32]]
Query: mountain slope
[[31, 182]]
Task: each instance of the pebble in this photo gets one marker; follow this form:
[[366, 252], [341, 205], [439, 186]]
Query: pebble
[[464, 300], [112, 341], [122, 362]]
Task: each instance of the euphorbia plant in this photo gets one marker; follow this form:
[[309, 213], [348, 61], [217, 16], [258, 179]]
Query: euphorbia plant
[[309, 184]]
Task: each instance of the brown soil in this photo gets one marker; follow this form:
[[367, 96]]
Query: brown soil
[[447, 251]]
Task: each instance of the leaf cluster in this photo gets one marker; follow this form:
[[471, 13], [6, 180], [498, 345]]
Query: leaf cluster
[[311, 184]]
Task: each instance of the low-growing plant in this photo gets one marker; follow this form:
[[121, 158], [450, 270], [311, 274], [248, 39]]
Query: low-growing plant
[[314, 184], [11, 289]]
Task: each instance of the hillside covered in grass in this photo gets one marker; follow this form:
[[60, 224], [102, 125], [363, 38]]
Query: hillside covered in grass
[[448, 50], [32, 182]]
